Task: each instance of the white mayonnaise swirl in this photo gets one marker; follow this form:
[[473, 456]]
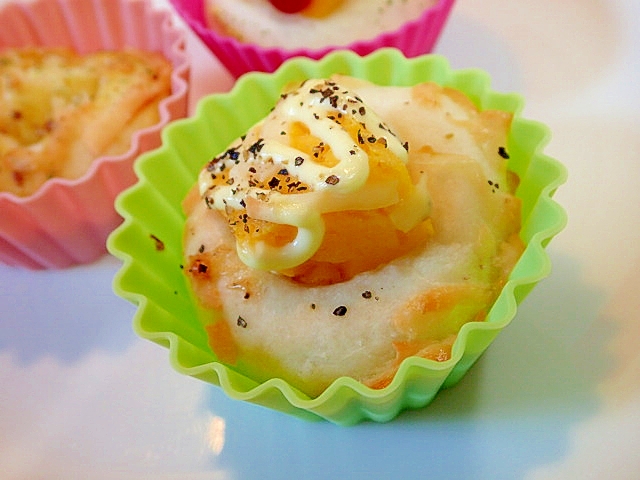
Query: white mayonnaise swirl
[[264, 175]]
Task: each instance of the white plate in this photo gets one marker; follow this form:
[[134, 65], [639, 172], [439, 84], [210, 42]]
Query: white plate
[[556, 396]]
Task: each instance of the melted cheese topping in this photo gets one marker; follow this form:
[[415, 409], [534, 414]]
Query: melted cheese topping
[[264, 176], [257, 21], [60, 110]]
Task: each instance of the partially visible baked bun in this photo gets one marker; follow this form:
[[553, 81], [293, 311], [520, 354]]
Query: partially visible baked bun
[[60, 110], [323, 23]]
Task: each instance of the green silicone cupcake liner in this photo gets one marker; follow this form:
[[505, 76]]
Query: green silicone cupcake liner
[[149, 241]]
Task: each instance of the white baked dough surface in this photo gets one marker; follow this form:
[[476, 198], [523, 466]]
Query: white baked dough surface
[[257, 21]]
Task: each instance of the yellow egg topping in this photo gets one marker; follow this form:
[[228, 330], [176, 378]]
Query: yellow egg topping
[[319, 190], [321, 8]]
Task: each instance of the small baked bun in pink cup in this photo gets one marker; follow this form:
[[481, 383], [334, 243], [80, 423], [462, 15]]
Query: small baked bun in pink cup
[[64, 220], [254, 35]]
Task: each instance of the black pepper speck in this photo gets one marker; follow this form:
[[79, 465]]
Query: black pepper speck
[[332, 180], [340, 311]]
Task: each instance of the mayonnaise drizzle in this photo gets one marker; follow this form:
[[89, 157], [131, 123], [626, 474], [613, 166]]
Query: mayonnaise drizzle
[[265, 152]]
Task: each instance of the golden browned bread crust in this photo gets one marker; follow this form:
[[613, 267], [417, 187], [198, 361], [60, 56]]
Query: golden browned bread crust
[[59, 111]]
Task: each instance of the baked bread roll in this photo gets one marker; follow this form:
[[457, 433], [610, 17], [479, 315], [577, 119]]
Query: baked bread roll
[[356, 225], [322, 23], [61, 110]]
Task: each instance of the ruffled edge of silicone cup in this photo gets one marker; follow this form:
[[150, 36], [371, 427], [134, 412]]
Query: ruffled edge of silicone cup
[[66, 222], [153, 279], [414, 38]]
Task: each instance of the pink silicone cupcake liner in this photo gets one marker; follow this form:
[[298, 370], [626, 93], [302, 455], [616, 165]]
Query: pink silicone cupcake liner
[[66, 222], [413, 38]]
